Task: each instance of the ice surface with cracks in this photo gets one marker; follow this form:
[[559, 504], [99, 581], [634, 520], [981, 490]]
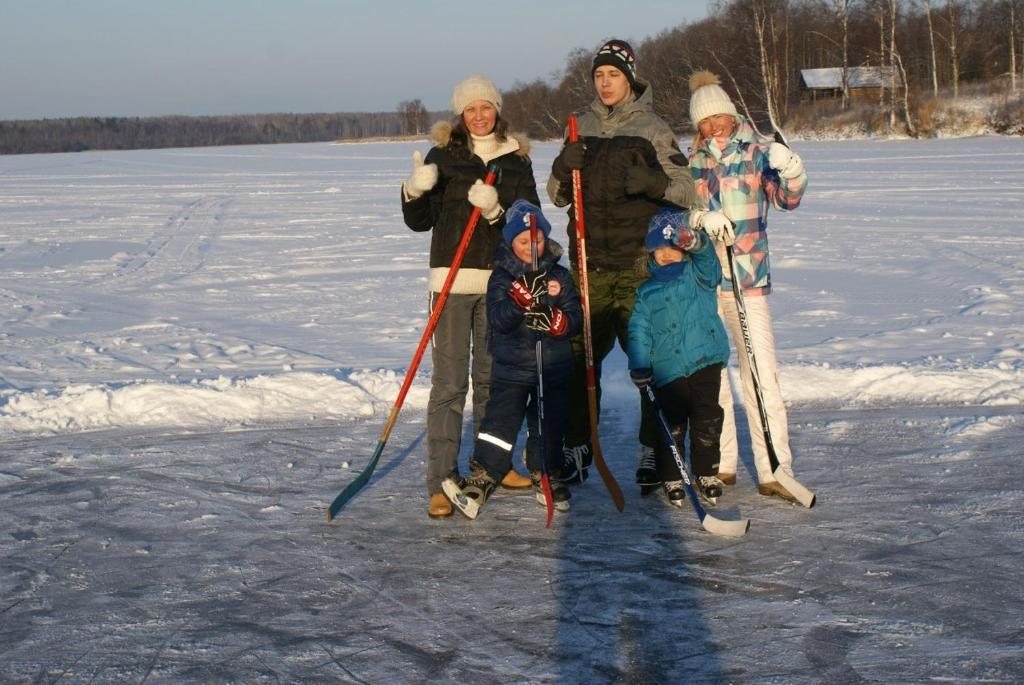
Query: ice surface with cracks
[[196, 343]]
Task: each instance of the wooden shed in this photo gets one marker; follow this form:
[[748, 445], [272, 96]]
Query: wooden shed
[[863, 82]]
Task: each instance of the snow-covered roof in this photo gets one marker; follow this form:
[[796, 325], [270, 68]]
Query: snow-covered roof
[[857, 77]]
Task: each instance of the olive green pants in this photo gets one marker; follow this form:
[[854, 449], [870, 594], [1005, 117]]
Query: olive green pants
[[612, 294]]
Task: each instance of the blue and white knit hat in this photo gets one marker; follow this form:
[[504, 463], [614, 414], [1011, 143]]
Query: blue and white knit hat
[[516, 220], [663, 227]]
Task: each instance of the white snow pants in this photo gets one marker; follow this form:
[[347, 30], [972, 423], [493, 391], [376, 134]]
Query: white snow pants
[[759, 321]]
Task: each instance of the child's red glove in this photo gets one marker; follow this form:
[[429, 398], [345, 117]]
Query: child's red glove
[[528, 288], [546, 319]]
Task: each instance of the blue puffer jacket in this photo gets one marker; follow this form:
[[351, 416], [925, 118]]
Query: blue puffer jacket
[[513, 345], [675, 329]]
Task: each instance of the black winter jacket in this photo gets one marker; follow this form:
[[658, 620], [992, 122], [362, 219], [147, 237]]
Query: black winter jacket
[[616, 223], [445, 208], [513, 345]]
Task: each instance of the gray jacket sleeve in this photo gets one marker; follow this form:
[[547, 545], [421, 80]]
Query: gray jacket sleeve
[[680, 188]]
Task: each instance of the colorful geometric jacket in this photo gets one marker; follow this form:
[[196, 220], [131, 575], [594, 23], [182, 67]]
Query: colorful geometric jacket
[[742, 185]]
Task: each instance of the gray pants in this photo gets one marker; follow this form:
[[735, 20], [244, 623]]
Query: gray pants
[[459, 342]]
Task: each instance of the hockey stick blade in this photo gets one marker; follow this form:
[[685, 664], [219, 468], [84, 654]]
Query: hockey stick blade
[[549, 499], [606, 475], [713, 525], [795, 488], [732, 529], [352, 488]]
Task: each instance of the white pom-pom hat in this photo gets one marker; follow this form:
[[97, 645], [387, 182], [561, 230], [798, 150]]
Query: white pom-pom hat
[[708, 98]]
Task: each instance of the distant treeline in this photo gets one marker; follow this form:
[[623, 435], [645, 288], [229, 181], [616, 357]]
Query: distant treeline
[[128, 133]]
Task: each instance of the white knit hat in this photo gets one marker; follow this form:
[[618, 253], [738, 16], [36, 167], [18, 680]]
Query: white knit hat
[[476, 87], [708, 97]]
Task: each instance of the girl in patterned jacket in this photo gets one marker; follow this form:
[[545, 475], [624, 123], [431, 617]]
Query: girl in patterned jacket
[[738, 174]]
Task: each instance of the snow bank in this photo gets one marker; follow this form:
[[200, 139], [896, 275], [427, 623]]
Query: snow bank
[[304, 397], [286, 397], [823, 385]]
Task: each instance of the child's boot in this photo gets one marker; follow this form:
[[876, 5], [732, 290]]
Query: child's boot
[[774, 487]]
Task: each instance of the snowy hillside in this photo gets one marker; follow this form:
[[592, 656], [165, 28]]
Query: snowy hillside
[[196, 343]]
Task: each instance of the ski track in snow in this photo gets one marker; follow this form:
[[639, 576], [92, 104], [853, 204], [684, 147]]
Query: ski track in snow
[[199, 348]]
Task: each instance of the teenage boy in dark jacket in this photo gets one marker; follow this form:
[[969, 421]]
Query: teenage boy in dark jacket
[[632, 167]]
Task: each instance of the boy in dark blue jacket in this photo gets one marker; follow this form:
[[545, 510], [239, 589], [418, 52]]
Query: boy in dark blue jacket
[[678, 343], [523, 305]]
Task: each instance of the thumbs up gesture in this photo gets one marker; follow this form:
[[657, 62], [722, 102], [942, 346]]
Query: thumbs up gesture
[[422, 179]]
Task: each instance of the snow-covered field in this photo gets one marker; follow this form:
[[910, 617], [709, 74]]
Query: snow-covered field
[[196, 342]]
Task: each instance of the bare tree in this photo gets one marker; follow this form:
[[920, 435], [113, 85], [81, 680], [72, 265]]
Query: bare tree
[[908, 118], [414, 116], [736, 88], [843, 11], [953, 17], [764, 29], [931, 45], [893, 8], [1012, 6]]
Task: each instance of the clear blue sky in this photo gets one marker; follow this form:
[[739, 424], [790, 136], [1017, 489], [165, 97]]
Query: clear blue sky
[[153, 57]]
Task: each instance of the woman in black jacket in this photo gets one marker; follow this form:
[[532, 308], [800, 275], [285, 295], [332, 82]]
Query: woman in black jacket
[[439, 196]]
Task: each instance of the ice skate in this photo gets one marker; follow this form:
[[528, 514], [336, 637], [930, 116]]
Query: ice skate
[[472, 495], [576, 465], [675, 492], [560, 493], [709, 488], [647, 471]]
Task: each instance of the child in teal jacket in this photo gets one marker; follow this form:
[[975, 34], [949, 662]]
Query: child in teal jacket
[[677, 343]]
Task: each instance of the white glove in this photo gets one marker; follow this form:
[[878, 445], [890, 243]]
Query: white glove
[[787, 162], [486, 198], [716, 224], [423, 178]]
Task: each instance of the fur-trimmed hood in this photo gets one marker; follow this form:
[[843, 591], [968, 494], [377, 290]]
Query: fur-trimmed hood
[[441, 134]]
